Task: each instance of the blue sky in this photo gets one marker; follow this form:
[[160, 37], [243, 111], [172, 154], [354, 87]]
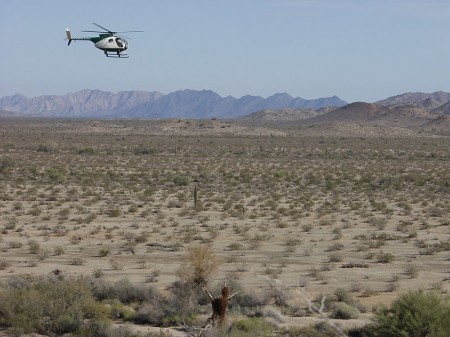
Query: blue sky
[[360, 50]]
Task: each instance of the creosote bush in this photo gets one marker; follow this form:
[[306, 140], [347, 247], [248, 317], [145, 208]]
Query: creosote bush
[[49, 306], [415, 313]]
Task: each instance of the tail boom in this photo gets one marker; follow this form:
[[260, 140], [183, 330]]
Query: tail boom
[[70, 38]]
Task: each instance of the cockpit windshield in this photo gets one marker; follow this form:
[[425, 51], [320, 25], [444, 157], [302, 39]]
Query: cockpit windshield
[[121, 43]]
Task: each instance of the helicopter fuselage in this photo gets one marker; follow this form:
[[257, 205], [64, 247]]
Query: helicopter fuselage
[[110, 43]]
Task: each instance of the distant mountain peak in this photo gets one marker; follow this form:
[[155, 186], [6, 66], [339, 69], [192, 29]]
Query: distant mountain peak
[[187, 103], [280, 95]]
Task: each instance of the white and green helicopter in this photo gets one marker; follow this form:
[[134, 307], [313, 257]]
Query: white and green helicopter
[[112, 45]]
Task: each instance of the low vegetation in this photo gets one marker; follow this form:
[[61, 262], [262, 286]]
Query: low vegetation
[[137, 222], [79, 306], [415, 313]]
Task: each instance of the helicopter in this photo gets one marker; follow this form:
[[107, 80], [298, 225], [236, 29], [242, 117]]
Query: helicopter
[[112, 45]]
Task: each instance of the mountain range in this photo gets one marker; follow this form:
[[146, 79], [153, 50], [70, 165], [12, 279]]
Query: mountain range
[[416, 112], [140, 104]]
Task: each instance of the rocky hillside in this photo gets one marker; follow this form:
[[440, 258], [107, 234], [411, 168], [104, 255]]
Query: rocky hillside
[[280, 115], [443, 109], [358, 118], [405, 116], [433, 102]]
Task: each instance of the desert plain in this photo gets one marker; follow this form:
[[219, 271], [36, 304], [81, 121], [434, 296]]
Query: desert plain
[[304, 212]]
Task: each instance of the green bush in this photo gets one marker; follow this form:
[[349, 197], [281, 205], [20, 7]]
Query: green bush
[[249, 327], [343, 310], [180, 180], [48, 306], [415, 313], [123, 290]]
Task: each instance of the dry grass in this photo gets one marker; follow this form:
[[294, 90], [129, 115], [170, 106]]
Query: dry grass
[[98, 198]]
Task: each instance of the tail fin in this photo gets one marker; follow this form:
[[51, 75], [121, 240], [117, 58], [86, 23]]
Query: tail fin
[[69, 36]]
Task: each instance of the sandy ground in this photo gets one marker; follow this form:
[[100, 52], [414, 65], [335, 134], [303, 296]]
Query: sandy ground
[[303, 214]]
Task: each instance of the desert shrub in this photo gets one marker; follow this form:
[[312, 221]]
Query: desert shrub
[[184, 296], [272, 312], [15, 244], [44, 148], [114, 212], [123, 290], [34, 246], [343, 295], [385, 257], [11, 223], [249, 303], [249, 327], [76, 261], [120, 310], [4, 264], [319, 330], [58, 250], [279, 297], [411, 270], [415, 313], [56, 173], [103, 252], [160, 314], [343, 310], [307, 227], [334, 257], [342, 304], [147, 305], [200, 263], [86, 150], [335, 246], [96, 328], [48, 306], [7, 165], [180, 180], [149, 314], [97, 273]]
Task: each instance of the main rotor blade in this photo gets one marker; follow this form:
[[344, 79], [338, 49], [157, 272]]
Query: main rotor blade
[[103, 28], [94, 31], [131, 31]]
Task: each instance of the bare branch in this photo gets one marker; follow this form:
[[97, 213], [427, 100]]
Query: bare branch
[[193, 331], [321, 312], [210, 296], [233, 295]]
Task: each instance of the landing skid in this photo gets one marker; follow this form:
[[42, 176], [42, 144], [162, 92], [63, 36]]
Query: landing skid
[[118, 55]]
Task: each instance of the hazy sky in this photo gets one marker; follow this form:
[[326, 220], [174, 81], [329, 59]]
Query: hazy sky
[[360, 50]]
